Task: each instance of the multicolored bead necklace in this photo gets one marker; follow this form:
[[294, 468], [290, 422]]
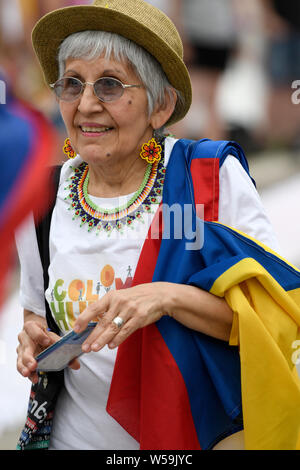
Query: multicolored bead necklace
[[94, 217]]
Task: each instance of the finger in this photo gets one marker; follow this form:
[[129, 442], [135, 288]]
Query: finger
[[29, 361], [105, 329], [53, 337], [123, 333], [90, 313], [86, 346], [29, 357], [26, 370], [110, 333], [21, 367], [26, 351], [37, 333], [24, 342], [74, 364], [33, 377], [103, 323], [131, 324]]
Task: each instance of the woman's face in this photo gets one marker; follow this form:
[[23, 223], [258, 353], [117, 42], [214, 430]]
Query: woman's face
[[120, 127]]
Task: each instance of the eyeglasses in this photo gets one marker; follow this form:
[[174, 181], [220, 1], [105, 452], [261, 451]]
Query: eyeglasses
[[105, 88]]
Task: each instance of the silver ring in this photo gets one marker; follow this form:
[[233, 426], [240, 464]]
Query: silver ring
[[118, 321]]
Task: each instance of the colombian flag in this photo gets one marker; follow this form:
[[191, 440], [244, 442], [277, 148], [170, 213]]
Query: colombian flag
[[27, 144], [175, 388]]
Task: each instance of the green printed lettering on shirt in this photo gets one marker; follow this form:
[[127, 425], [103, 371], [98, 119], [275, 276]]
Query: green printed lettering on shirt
[[57, 296], [60, 316]]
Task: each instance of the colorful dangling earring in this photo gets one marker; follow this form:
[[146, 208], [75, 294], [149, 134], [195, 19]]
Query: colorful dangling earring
[[151, 151], [68, 149]]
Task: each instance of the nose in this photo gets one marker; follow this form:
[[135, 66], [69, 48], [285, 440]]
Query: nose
[[89, 103]]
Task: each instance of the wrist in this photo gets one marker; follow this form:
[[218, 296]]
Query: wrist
[[169, 298]]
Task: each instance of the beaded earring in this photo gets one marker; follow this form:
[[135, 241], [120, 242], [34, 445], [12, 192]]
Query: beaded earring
[[68, 149], [151, 151]]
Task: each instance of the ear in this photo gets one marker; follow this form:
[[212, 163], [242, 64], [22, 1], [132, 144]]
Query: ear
[[162, 113]]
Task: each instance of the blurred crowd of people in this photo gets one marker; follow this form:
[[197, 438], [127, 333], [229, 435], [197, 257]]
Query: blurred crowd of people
[[243, 57]]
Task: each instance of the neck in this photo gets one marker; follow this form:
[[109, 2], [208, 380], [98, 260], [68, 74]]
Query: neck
[[116, 180]]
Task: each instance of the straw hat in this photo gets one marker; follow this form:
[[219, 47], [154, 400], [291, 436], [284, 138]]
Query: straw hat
[[136, 20]]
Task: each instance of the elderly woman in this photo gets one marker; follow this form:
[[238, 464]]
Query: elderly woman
[[116, 69]]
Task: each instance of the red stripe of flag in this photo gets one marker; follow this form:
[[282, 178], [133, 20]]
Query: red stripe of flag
[[148, 396], [205, 175]]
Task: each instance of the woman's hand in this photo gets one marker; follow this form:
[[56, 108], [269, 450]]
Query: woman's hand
[[137, 306], [144, 304], [33, 339]]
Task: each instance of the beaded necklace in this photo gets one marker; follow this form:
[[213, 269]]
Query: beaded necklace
[[109, 220]]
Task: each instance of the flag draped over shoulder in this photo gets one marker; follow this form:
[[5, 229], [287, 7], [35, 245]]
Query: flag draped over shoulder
[[264, 294], [27, 143], [175, 388]]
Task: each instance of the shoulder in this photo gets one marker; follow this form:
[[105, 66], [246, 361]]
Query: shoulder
[[232, 168], [240, 205], [235, 182], [207, 155]]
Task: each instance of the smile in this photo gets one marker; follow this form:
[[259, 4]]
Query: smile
[[96, 130]]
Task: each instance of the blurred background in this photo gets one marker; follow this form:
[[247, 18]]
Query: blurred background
[[244, 61]]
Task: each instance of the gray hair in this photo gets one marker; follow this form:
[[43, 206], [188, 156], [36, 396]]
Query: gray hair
[[92, 44]]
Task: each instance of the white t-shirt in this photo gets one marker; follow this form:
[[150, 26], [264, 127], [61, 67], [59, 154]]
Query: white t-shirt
[[83, 267]]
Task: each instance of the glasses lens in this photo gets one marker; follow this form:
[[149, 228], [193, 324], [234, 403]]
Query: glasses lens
[[108, 89], [68, 88]]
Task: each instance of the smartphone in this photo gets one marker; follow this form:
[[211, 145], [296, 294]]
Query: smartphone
[[58, 355]]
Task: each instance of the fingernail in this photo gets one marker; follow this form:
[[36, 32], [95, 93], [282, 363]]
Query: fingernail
[[76, 328], [95, 346], [85, 347], [46, 341]]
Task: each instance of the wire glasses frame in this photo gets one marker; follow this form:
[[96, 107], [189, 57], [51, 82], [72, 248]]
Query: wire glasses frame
[[105, 88]]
